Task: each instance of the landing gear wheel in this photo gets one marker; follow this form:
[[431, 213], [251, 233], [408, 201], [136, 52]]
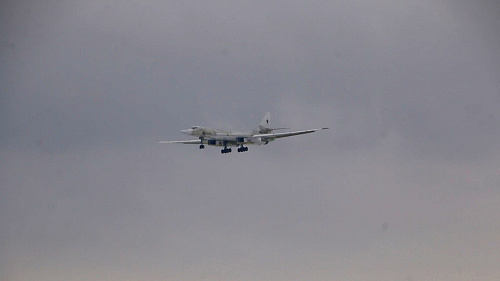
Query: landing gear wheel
[[202, 146]]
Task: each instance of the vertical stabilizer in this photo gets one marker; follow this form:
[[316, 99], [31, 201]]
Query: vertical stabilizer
[[264, 126]]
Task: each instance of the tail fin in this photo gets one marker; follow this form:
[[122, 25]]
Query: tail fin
[[264, 124]]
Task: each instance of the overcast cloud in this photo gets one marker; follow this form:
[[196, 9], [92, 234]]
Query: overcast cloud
[[405, 185]]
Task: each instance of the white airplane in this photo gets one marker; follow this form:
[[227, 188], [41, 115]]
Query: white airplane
[[216, 137]]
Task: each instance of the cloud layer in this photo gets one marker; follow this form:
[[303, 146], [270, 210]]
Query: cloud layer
[[403, 187]]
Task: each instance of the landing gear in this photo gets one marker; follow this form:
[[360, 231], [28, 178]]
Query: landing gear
[[202, 146], [225, 149], [242, 149]]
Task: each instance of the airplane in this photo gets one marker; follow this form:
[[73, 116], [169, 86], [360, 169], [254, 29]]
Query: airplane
[[227, 139]]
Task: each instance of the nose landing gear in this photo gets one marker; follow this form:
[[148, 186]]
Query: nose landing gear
[[202, 146]]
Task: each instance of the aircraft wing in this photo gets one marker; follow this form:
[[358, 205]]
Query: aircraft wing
[[287, 134], [184, 142]]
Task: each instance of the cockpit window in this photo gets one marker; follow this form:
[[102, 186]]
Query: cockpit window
[[195, 127]]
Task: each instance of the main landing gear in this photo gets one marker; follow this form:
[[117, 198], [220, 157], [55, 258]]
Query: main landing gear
[[228, 150], [242, 149]]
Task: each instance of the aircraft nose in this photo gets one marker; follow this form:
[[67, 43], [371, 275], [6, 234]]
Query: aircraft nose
[[186, 131]]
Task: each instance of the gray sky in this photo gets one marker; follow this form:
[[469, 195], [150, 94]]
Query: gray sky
[[405, 185]]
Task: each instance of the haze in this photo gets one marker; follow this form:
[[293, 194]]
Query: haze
[[404, 186]]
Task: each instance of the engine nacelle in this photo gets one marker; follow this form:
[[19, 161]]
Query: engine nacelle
[[259, 141]]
